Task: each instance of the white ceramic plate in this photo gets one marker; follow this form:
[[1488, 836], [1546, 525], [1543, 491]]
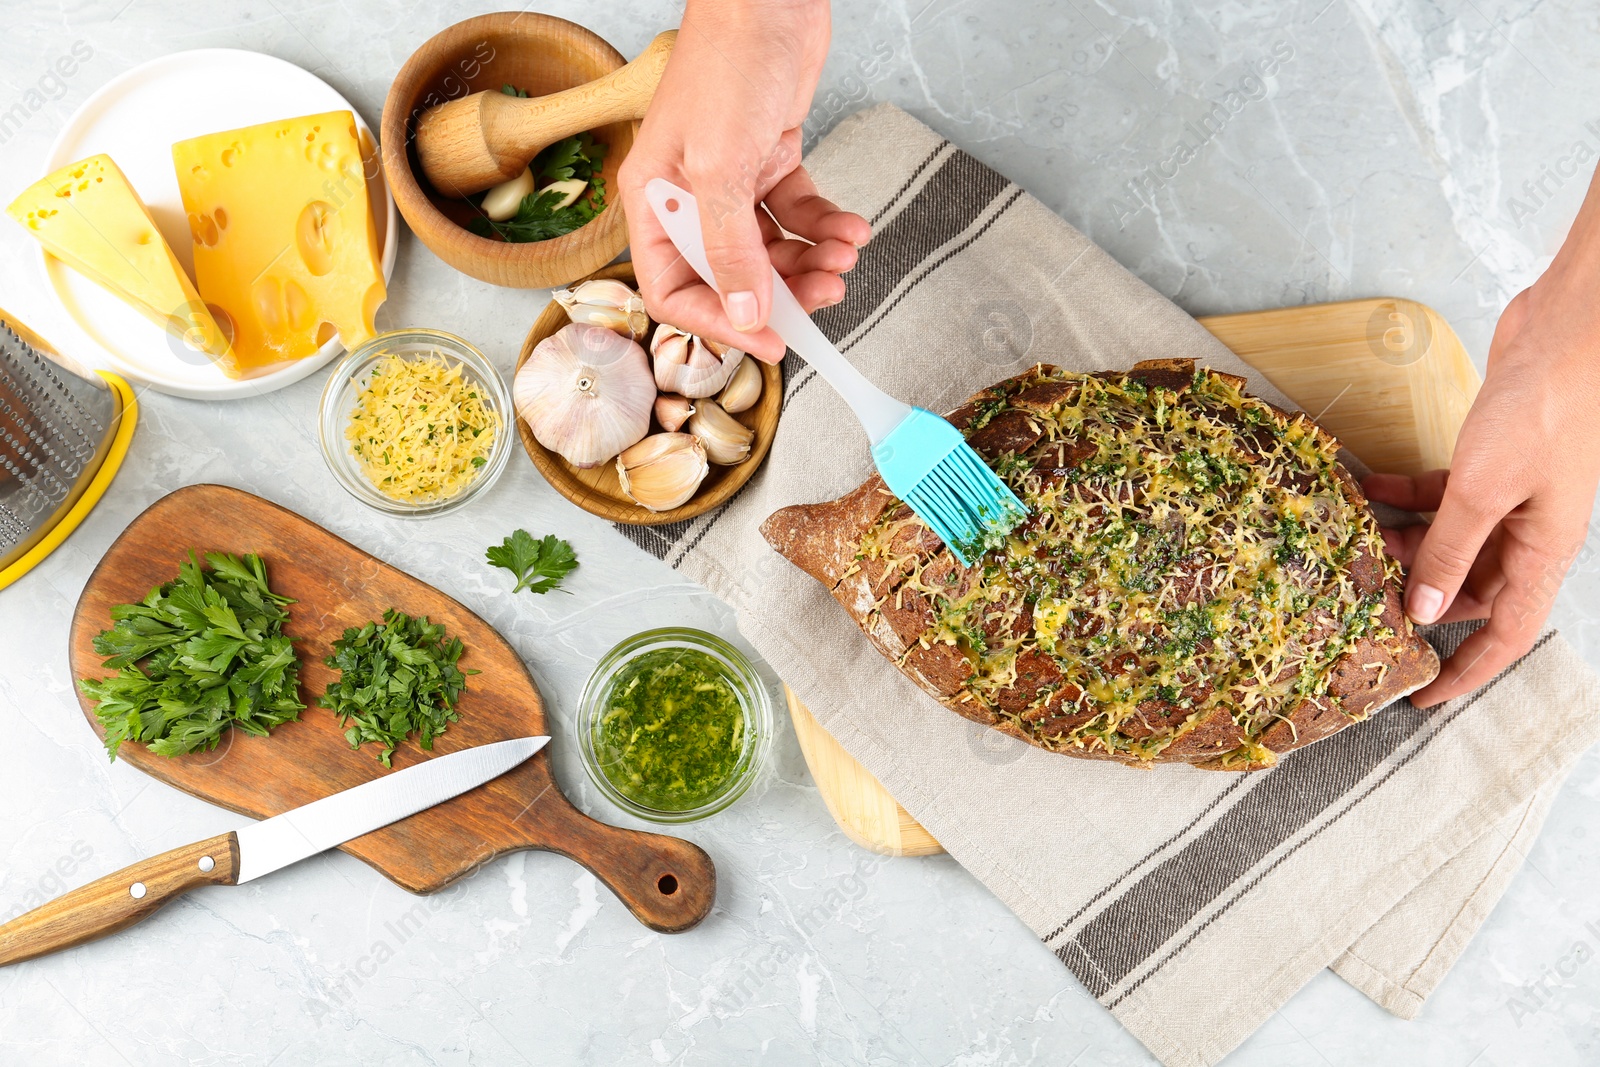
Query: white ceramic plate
[[135, 118]]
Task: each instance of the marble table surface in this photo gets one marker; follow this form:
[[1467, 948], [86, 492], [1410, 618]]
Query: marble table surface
[[1420, 148]]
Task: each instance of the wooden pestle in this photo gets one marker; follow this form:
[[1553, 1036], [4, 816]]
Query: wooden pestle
[[468, 145]]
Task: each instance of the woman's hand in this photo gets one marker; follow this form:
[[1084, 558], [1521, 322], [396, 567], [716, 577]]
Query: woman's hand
[[1514, 508], [725, 124]]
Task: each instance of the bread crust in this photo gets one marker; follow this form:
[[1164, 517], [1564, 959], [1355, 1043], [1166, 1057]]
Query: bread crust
[[1038, 706]]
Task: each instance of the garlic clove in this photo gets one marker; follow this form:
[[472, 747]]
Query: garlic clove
[[663, 471], [502, 202], [691, 366], [613, 319], [606, 302], [743, 389], [672, 411], [669, 355], [727, 440], [568, 190], [586, 393], [601, 291]]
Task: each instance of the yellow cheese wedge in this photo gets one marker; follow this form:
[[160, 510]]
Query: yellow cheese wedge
[[89, 217], [284, 241]]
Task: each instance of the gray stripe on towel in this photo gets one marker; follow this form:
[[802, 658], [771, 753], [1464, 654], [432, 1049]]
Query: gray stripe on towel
[[1147, 915]]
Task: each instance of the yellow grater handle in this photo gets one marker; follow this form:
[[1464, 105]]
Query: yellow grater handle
[[127, 417]]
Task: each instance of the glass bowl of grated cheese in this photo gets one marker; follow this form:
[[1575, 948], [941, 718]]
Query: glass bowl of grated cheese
[[415, 422]]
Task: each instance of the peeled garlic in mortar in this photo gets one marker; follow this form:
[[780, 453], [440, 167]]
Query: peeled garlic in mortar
[[691, 366], [743, 389], [727, 440], [662, 471], [672, 411], [586, 393], [501, 202], [568, 191], [606, 302]]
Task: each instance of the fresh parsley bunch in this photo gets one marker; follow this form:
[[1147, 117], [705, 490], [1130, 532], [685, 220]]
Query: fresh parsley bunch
[[196, 656], [539, 565], [396, 678]]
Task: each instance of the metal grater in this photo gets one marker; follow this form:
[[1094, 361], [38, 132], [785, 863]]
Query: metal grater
[[56, 425]]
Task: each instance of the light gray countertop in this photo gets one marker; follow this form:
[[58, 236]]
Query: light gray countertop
[[1379, 159]]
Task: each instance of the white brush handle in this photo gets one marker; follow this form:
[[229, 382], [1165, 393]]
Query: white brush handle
[[879, 412]]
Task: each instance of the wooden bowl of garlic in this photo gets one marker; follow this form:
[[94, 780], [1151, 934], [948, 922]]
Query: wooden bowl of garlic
[[604, 409]]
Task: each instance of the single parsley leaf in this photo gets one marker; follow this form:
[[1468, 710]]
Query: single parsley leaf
[[561, 160], [396, 678], [539, 565], [197, 656]]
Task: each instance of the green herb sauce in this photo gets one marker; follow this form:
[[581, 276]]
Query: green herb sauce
[[672, 731]]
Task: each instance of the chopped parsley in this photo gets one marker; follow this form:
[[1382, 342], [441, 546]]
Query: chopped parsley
[[396, 678]]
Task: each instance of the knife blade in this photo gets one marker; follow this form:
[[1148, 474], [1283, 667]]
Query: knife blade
[[136, 892]]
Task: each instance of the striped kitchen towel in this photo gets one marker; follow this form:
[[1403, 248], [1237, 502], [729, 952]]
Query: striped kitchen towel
[[1190, 903]]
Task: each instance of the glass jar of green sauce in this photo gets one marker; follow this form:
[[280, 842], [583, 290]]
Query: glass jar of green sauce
[[673, 724]]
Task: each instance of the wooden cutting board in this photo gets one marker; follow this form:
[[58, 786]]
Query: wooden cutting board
[[669, 884], [1388, 377]]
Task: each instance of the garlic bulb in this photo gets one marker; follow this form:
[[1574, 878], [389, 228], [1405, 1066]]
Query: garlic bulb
[[663, 471], [743, 389], [672, 411], [606, 302], [586, 393], [727, 440], [691, 366]]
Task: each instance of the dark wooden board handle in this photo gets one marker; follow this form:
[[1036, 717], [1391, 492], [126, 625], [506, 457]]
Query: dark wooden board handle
[[119, 900], [668, 883]]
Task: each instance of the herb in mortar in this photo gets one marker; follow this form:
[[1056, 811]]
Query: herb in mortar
[[538, 219], [195, 657], [396, 678], [538, 565]]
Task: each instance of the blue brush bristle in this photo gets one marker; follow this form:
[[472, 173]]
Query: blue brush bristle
[[927, 463], [966, 504]]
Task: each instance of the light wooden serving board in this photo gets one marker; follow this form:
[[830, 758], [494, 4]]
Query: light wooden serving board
[[1388, 377], [668, 883]]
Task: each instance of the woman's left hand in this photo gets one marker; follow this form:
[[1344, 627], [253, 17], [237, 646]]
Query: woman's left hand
[[1513, 509]]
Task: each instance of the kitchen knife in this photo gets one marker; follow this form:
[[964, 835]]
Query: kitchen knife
[[119, 900]]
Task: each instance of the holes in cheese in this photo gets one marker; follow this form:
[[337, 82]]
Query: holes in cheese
[[284, 238], [313, 236], [87, 215]]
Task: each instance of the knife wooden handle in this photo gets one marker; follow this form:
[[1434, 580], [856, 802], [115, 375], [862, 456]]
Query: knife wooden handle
[[119, 900]]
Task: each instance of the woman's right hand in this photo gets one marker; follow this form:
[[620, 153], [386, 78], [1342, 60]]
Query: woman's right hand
[[725, 124]]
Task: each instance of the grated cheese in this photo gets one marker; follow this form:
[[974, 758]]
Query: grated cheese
[[420, 430]]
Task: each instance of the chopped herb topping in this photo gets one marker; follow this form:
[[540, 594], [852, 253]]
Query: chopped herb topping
[[673, 729], [1194, 553]]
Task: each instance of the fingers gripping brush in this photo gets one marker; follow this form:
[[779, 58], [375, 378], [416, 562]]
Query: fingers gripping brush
[[923, 459]]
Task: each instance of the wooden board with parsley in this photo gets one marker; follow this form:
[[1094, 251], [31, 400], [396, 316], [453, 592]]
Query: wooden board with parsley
[[538, 218], [196, 657], [396, 678]]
